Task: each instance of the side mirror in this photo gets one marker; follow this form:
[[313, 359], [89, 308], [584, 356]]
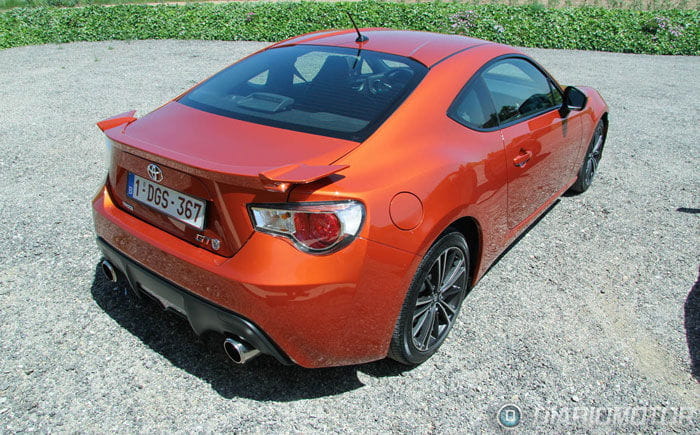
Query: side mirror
[[574, 99]]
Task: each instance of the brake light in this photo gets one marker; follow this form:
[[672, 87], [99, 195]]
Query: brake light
[[317, 230], [319, 227]]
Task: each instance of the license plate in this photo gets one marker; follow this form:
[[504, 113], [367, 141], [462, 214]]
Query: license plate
[[171, 202]]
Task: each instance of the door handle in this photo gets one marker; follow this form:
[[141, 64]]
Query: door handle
[[522, 158]]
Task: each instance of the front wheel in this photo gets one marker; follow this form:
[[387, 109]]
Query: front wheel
[[433, 300], [591, 160]]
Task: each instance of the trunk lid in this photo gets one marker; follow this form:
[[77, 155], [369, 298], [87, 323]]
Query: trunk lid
[[225, 162]]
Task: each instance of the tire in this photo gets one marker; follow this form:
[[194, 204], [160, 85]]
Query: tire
[[431, 309], [589, 167]]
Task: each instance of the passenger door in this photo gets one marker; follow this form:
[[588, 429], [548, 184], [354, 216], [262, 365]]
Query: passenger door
[[539, 143]]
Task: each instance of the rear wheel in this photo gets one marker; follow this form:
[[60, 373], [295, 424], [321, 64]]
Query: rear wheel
[[591, 160], [433, 300]]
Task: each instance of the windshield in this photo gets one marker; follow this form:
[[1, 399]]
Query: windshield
[[330, 91]]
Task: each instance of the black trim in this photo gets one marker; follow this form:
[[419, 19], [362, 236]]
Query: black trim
[[477, 75], [202, 314]]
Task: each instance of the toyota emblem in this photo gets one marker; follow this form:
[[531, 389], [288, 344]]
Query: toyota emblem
[[155, 173]]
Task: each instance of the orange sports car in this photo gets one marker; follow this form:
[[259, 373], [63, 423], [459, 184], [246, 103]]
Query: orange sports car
[[332, 199]]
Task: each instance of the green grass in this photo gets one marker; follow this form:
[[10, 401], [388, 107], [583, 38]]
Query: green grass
[[657, 32], [610, 4], [9, 4]]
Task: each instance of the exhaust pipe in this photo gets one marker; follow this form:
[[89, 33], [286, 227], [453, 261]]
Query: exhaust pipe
[[109, 271], [240, 352]]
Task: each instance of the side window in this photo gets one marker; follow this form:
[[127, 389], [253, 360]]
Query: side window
[[518, 89], [473, 108]]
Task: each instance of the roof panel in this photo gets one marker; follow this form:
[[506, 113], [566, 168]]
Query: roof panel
[[427, 48]]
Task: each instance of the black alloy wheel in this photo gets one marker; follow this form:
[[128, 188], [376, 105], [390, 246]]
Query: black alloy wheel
[[591, 160], [433, 300]]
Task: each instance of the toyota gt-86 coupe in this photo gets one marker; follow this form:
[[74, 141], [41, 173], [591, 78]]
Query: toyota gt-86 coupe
[[332, 199]]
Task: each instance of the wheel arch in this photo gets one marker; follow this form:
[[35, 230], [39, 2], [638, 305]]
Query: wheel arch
[[471, 230]]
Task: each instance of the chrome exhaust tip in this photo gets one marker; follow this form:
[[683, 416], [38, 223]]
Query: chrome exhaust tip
[[239, 351], [109, 271]]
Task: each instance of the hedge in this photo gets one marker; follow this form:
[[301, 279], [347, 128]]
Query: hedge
[[618, 30]]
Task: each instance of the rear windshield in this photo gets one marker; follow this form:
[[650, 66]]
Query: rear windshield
[[330, 91]]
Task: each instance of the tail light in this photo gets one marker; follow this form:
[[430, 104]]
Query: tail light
[[315, 227]]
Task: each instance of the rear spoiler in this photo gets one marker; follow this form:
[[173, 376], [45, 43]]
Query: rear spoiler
[[274, 179], [281, 178], [125, 119]]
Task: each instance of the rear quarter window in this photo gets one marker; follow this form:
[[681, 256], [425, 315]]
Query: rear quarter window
[[473, 107]]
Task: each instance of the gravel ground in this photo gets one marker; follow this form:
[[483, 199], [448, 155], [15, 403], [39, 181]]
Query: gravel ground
[[597, 307]]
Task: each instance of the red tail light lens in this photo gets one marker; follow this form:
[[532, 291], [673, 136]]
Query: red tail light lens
[[313, 227], [317, 230]]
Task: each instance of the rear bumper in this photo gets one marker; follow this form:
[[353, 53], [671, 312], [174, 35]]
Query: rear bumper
[[315, 311], [202, 314]]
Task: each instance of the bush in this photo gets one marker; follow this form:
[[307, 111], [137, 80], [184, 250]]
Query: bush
[[655, 32]]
